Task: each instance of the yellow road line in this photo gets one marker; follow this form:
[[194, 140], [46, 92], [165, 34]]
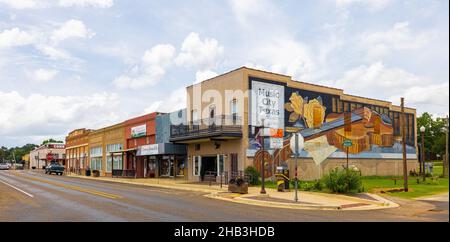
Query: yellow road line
[[76, 188]]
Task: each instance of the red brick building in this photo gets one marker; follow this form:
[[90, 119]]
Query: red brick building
[[139, 132]]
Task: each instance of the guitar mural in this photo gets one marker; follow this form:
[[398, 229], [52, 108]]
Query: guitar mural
[[324, 133]]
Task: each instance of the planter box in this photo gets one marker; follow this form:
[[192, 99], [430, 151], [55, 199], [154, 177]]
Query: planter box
[[95, 173], [242, 189]]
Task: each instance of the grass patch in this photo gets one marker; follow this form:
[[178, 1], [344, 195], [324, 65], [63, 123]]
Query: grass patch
[[374, 184], [428, 188]]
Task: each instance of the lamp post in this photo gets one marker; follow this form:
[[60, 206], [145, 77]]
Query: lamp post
[[263, 189], [422, 133]]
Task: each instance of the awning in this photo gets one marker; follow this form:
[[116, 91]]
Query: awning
[[161, 149], [120, 152]]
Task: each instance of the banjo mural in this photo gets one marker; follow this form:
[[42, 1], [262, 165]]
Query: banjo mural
[[320, 118]]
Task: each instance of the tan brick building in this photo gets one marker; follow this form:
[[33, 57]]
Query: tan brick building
[[77, 151], [225, 116]]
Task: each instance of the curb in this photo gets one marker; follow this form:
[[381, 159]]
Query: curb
[[213, 194], [247, 201], [150, 185]]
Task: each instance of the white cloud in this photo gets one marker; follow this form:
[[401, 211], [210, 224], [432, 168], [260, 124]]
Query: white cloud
[[39, 114], [15, 37], [43, 75], [24, 4], [199, 53], [399, 37], [161, 55], [151, 70], [248, 10], [204, 75], [71, 29], [286, 56], [87, 3], [53, 53], [433, 94], [175, 101], [36, 4], [373, 5], [377, 80]]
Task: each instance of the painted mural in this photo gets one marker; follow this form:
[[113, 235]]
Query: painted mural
[[371, 133], [374, 131]]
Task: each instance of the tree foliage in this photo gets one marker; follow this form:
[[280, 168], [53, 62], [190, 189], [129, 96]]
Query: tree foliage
[[433, 136], [15, 153]]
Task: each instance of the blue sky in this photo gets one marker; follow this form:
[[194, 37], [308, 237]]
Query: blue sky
[[67, 64]]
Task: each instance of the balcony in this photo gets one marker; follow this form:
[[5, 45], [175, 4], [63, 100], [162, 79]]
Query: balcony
[[217, 128]]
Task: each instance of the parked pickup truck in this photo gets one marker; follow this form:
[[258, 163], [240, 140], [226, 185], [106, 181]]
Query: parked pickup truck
[[54, 168]]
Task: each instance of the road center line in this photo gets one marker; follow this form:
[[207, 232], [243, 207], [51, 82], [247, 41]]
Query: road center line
[[72, 187], [18, 189]]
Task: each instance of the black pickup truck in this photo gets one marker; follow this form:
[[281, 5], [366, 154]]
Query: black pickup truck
[[54, 168]]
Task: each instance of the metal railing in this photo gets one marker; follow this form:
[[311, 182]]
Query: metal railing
[[124, 173], [212, 126], [241, 174]]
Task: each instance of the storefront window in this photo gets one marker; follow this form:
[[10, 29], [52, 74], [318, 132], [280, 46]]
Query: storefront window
[[197, 164], [96, 163], [165, 167], [220, 164], [180, 167], [117, 163]]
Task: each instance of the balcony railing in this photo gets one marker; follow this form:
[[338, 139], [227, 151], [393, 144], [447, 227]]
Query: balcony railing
[[211, 127]]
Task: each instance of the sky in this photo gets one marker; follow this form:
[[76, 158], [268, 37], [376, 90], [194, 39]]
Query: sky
[[68, 64]]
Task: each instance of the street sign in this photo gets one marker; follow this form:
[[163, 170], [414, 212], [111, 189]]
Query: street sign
[[276, 143], [347, 143], [301, 143]]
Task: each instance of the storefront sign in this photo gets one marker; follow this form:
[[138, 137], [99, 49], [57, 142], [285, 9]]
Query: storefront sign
[[148, 150], [276, 143], [138, 131], [49, 156], [268, 99]]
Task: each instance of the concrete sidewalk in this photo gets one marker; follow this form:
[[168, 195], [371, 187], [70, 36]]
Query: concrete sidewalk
[[273, 198]]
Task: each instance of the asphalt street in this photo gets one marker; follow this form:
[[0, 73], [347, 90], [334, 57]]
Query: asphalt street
[[31, 196]]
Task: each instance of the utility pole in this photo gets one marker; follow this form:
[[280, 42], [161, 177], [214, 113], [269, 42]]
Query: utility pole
[[403, 127], [296, 167], [446, 148], [263, 186]]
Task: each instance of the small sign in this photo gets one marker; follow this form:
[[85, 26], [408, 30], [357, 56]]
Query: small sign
[[138, 131], [276, 143], [148, 150], [347, 143], [301, 143]]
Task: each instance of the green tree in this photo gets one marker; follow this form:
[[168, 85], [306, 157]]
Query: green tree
[[434, 137], [51, 140]]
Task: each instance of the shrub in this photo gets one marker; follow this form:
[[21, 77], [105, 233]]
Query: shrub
[[342, 180], [308, 186], [318, 186], [254, 175]]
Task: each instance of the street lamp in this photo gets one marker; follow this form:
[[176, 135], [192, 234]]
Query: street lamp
[[262, 116], [422, 132]]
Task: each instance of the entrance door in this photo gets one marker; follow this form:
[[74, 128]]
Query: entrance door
[[209, 164]]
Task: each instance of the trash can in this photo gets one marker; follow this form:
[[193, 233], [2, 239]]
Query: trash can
[[88, 172], [282, 179]]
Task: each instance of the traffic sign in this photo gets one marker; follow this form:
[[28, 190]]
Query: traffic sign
[[347, 143], [301, 143]]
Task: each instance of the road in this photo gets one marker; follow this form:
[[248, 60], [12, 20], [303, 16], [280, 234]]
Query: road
[[31, 196]]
